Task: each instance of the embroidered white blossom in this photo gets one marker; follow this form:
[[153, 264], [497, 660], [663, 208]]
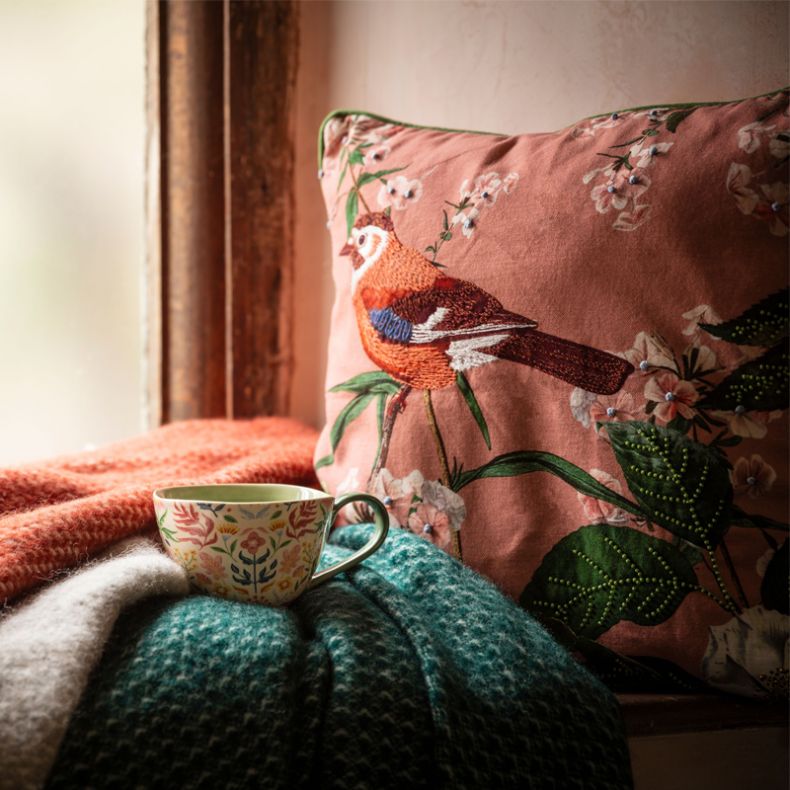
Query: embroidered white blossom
[[581, 401], [644, 154], [749, 655], [400, 192], [467, 220], [398, 494], [446, 500], [701, 314], [779, 146], [751, 135], [597, 511], [650, 353]]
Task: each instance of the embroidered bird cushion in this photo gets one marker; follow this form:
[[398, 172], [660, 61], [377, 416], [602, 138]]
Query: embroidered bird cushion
[[562, 358]]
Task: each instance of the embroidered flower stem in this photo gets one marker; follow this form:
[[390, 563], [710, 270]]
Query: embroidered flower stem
[[730, 604], [442, 454], [714, 598], [725, 552], [357, 189], [395, 407], [437, 438]]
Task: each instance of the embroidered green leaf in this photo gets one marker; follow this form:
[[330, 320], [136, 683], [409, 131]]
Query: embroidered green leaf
[[681, 485], [599, 575], [627, 142], [624, 673], [758, 385], [356, 157], [729, 441], [474, 406], [348, 414], [170, 534], [674, 120], [650, 132], [366, 178], [753, 521], [775, 589], [230, 519], [352, 205], [525, 461], [342, 175], [375, 382], [763, 324]]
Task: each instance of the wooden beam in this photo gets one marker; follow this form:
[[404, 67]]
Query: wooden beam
[[220, 84], [261, 42]]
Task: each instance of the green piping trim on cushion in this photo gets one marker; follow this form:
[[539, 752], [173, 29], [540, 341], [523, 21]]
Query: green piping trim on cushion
[[383, 119], [690, 104]]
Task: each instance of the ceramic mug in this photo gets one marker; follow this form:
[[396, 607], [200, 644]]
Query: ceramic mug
[[256, 542]]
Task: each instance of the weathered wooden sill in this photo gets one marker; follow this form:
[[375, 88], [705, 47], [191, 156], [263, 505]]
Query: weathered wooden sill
[[662, 714]]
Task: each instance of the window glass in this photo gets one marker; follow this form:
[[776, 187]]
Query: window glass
[[71, 224]]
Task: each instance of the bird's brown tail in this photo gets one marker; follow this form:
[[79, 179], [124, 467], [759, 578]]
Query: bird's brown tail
[[583, 366]]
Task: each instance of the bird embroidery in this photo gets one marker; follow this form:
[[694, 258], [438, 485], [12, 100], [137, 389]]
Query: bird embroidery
[[423, 327]]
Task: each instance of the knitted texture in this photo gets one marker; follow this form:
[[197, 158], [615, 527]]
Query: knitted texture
[[52, 641], [408, 672], [56, 513]]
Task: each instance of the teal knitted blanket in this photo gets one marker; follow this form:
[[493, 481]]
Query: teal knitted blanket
[[408, 672]]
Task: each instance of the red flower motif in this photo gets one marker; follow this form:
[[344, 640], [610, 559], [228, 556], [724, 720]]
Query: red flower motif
[[672, 396], [433, 524], [253, 542], [752, 476]]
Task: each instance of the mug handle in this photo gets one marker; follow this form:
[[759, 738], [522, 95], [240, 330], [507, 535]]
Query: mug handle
[[381, 520]]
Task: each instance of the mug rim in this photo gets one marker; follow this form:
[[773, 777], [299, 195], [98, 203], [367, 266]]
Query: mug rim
[[182, 493]]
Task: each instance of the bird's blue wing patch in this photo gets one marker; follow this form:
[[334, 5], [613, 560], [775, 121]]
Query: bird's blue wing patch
[[390, 325]]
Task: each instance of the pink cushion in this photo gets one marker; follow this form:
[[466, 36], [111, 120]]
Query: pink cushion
[[546, 357]]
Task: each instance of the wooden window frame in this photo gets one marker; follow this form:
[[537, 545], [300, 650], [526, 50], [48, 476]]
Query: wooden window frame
[[220, 99]]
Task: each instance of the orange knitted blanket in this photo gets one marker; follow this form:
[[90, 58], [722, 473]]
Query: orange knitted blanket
[[58, 513]]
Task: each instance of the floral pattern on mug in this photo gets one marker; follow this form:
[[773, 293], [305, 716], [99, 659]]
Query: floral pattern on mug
[[268, 559]]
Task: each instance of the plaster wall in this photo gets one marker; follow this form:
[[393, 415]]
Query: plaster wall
[[506, 67]]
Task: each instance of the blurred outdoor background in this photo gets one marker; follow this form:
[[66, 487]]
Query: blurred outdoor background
[[71, 224], [72, 157]]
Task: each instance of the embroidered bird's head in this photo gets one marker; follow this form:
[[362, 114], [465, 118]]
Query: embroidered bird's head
[[369, 237]]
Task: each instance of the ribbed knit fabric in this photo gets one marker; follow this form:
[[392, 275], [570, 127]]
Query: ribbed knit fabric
[[51, 642], [56, 513], [408, 672]]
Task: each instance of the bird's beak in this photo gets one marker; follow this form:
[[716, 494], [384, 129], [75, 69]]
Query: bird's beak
[[348, 248]]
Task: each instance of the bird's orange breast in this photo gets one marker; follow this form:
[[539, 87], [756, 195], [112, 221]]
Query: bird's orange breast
[[418, 365]]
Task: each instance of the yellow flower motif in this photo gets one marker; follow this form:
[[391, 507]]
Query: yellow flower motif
[[284, 584], [187, 559], [277, 525], [227, 529]]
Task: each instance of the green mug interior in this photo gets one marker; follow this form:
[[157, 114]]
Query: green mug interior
[[257, 493]]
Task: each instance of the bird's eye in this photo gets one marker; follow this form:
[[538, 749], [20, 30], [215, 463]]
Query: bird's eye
[[361, 239]]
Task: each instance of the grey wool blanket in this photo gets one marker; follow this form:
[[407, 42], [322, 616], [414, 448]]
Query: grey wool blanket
[[408, 672]]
